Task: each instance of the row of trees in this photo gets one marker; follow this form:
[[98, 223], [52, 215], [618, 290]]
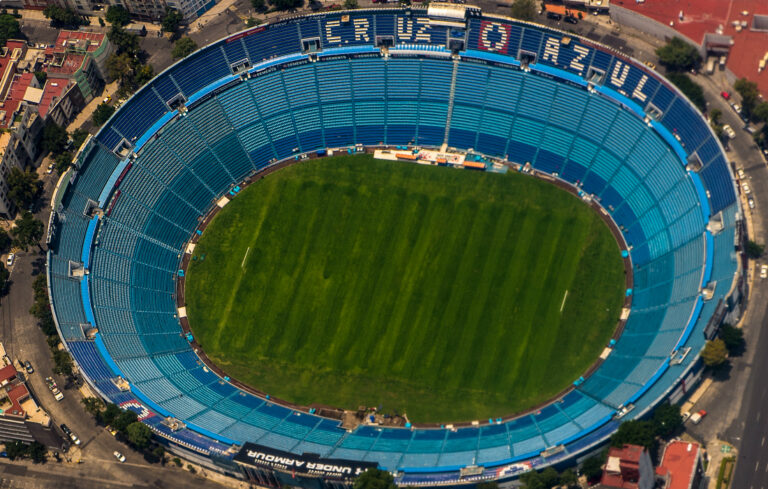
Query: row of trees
[[9, 28], [127, 425], [41, 310], [729, 343], [65, 18], [17, 449]]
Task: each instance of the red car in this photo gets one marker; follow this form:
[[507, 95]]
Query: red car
[[725, 95]]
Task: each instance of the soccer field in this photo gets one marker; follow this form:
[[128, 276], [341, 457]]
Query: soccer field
[[349, 281]]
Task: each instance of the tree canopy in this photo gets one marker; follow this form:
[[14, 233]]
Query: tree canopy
[[172, 21], [714, 353], [287, 4], [102, 113], [183, 47], [63, 17], [690, 88], [117, 15], [375, 479], [259, 5], [667, 419], [5, 241], [678, 55], [733, 338], [754, 249], [635, 432], [54, 138], [9, 28], [27, 232], [524, 9], [138, 434], [592, 468], [124, 41], [23, 187], [4, 275], [750, 95]]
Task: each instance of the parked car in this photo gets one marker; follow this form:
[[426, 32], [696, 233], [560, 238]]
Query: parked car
[[745, 188], [764, 271], [729, 131], [650, 65], [28, 367], [49, 170], [54, 388], [741, 174], [736, 107], [119, 456], [72, 436], [571, 19], [725, 95], [697, 417], [751, 202], [9, 260], [554, 16]]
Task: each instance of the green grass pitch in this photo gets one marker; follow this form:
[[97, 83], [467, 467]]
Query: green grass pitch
[[426, 290]]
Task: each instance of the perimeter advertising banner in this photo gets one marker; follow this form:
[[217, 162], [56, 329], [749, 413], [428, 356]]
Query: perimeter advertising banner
[[302, 465]]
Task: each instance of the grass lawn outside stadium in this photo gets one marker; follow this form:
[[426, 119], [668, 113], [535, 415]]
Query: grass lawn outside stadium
[[349, 281]]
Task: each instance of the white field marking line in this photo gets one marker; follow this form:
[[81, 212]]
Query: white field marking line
[[565, 296], [242, 265]]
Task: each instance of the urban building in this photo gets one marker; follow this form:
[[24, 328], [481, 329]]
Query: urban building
[[628, 467], [80, 56], [681, 465]]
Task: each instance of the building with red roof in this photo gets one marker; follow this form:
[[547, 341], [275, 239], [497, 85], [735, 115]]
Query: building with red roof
[[80, 56], [628, 467], [681, 465], [737, 29]]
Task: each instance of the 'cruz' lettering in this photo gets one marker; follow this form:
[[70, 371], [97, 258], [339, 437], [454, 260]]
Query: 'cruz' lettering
[[619, 74]]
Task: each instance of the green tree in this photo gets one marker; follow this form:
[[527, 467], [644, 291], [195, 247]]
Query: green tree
[[714, 117], [78, 138], [9, 28], [23, 187], [350, 4], [592, 468], [183, 48], [54, 138], [259, 5], [532, 480], [634, 432], [172, 21], [27, 232], [750, 95], [124, 41], [569, 479], [41, 77], [678, 55], [760, 112], [714, 353], [92, 405], [690, 88], [110, 413], [102, 114], [524, 9], [144, 73], [62, 161], [16, 449], [667, 419], [375, 479], [549, 477], [753, 249], [117, 15], [5, 241], [488, 485], [138, 434], [37, 452], [250, 22], [123, 420], [63, 17], [4, 275], [62, 362], [287, 4], [733, 338]]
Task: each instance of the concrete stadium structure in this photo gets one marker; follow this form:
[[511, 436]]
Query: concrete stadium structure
[[447, 76]]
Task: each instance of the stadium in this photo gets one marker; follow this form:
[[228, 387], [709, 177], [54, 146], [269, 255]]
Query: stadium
[[446, 79]]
